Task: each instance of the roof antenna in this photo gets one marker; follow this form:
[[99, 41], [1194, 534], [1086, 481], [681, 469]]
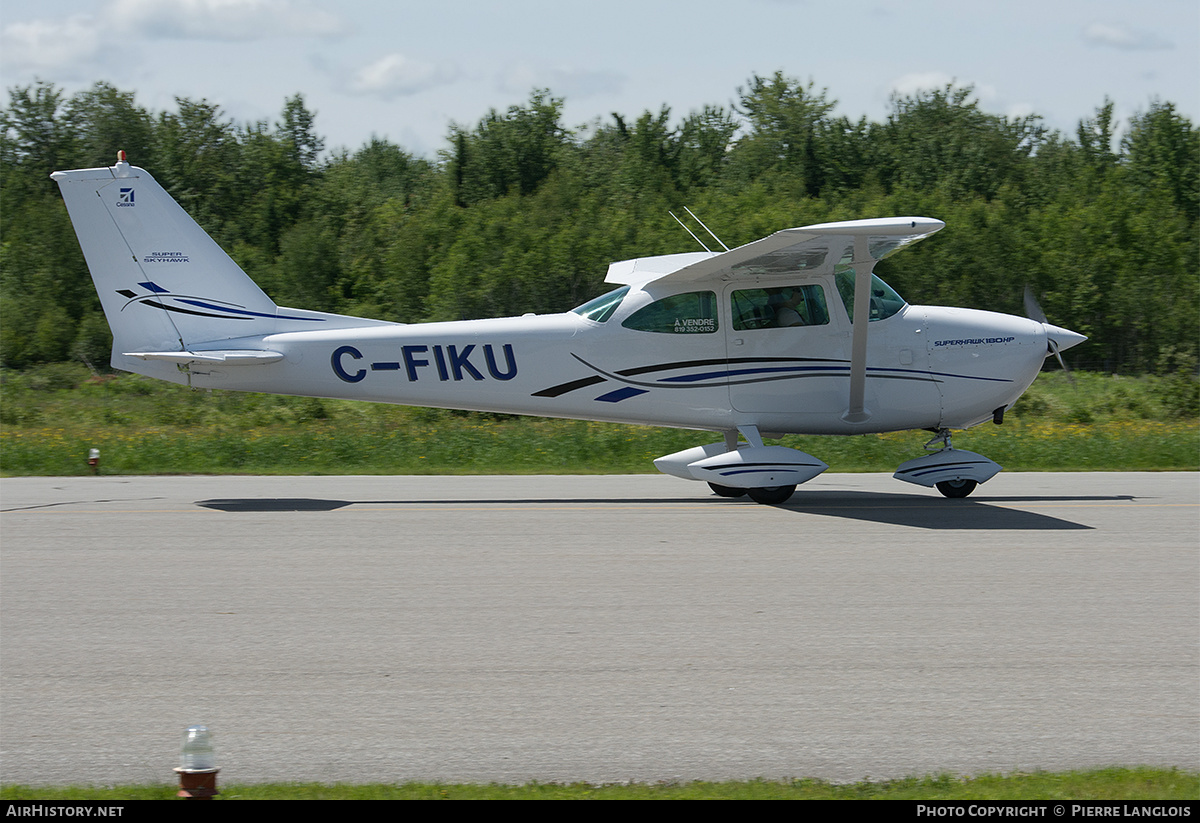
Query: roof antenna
[[693, 234], [706, 228]]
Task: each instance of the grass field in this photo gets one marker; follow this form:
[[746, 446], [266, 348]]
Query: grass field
[[50, 417], [1098, 784]]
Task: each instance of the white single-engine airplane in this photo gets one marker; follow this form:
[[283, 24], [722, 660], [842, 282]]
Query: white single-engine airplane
[[790, 334]]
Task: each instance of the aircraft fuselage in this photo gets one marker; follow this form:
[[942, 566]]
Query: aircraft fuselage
[[928, 367]]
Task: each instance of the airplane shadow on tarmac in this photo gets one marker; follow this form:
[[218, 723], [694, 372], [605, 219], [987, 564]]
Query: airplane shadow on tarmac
[[981, 514], [923, 512]]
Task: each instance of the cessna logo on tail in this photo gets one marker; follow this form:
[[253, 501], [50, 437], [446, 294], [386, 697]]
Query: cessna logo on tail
[[126, 198]]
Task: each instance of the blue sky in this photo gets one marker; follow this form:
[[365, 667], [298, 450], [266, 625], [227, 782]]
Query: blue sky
[[406, 70]]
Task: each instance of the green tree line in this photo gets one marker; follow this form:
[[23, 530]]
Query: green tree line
[[519, 212]]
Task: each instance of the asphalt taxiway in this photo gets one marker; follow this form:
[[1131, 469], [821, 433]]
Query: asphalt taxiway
[[595, 628]]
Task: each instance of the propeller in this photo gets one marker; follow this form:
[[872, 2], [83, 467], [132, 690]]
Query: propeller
[[1033, 310]]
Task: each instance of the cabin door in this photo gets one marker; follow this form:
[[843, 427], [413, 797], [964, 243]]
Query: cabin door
[[788, 347]]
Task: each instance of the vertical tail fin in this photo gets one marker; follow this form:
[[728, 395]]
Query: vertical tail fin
[[164, 284]]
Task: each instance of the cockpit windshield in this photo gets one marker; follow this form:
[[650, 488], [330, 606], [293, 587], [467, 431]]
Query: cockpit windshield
[[602, 307], [884, 300]]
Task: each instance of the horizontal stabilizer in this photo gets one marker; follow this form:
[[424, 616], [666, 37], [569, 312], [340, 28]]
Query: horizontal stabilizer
[[228, 357]]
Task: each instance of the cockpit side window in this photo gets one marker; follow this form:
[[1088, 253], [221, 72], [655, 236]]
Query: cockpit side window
[[602, 307], [691, 313], [779, 307], [884, 300]]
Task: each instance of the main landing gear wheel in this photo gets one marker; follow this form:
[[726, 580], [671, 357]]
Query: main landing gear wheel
[[726, 491], [956, 488], [771, 496]]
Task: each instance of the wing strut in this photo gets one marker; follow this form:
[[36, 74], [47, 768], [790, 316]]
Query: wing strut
[[864, 265]]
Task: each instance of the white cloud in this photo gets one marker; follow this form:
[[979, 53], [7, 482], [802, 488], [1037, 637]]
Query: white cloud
[[228, 20], [46, 45], [1016, 111], [910, 84], [563, 82], [395, 75], [1124, 38], [78, 46]]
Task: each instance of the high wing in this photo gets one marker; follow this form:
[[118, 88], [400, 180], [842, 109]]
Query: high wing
[[802, 249], [806, 249]]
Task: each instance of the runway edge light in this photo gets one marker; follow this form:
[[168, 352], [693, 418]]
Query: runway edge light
[[197, 768]]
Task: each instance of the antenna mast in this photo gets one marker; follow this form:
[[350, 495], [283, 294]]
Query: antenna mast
[[706, 228], [689, 231]]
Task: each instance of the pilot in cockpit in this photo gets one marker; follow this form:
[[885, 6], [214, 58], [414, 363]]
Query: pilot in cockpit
[[787, 304]]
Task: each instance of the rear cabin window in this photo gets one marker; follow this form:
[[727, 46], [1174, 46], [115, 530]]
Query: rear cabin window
[[691, 313]]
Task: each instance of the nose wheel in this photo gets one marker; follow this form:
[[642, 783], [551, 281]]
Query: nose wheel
[[953, 472], [956, 488]]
